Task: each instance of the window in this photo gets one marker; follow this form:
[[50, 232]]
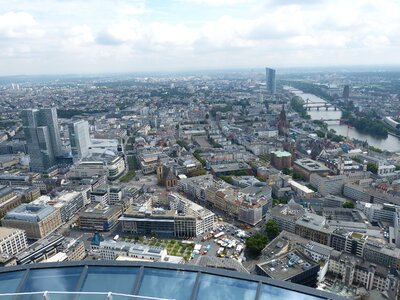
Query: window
[[167, 283]]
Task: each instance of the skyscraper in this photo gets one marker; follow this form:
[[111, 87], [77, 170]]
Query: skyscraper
[[79, 138], [48, 117], [42, 137], [270, 77], [346, 91]]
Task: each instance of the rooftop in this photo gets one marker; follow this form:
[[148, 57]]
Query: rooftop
[[132, 248], [313, 221], [281, 153], [311, 165], [30, 212], [287, 265], [6, 232], [229, 167]]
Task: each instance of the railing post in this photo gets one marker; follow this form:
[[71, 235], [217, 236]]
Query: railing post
[[46, 295], [109, 296]]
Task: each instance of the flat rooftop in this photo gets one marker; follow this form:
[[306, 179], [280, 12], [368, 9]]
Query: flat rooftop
[[99, 211], [229, 167], [314, 221], [6, 232], [311, 165], [287, 265]]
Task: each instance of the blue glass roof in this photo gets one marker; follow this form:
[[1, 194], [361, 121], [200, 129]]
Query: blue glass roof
[[161, 280]]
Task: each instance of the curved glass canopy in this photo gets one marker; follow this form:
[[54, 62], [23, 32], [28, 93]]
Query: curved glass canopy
[[149, 280]]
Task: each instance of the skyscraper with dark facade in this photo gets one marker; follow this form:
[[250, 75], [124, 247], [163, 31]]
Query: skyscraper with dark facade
[[346, 91], [270, 77], [42, 137]]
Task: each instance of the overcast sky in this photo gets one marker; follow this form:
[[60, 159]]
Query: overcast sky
[[96, 36]]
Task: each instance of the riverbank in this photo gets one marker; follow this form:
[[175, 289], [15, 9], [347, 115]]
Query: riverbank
[[390, 143]]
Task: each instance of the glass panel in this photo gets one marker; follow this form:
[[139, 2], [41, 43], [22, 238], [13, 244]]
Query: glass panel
[[109, 279], [218, 287], [52, 279], [9, 283], [272, 292], [168, 284]]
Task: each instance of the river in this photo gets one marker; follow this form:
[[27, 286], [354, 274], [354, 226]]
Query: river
[[391, 143]]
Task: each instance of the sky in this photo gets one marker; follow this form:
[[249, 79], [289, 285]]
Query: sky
[[111, 36]]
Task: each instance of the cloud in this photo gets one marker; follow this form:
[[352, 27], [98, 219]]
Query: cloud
[[19, 25], [195, 33]]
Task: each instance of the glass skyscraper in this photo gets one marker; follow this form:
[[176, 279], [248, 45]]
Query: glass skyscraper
[[42, 137], [79, 138], [270, 78]]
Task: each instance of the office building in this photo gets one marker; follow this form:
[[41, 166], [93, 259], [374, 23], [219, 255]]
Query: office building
[[348, 241], [328, 185], [385, 255], [68, 204], [367, 193], [79, 138], [99, 217], [314, 228], [270, 78], [42, 137], [286, 215], [100, 195], [110, 166], [38, 220], [153, 280], [114, 195], [184, 218], [306, 167], [12, 240], [333, 201], [48, 117], [376, 212], [293, 266]]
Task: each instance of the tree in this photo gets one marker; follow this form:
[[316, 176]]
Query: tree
[[227, 179], [373, 168], [197, 172], [255, 243], [348, 204], [272, 229], [286, 171], [297, 175]]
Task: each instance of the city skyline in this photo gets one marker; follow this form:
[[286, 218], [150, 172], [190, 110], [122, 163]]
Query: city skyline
[[148, 36]]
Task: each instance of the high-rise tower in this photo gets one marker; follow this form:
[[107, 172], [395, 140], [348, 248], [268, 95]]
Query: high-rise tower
[[48, 117], [270, 77], [79, 138], [42, 137]]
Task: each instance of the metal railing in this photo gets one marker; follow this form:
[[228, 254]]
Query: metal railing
[[107, 295]]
